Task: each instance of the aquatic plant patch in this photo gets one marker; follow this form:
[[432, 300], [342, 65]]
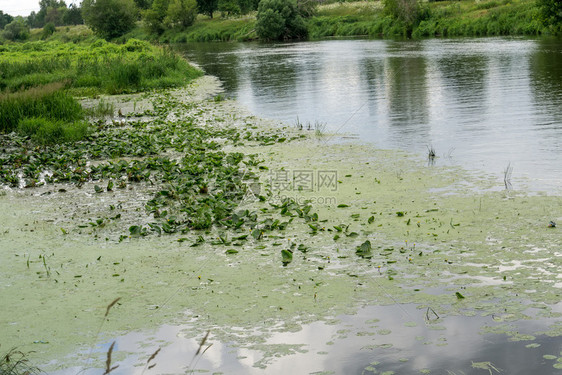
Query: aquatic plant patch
[[194, 212]]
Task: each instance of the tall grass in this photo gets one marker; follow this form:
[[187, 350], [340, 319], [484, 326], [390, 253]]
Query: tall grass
[[47, 101], [44, 131], [101, 66], [15, 362], [492, 18], [207, 30]]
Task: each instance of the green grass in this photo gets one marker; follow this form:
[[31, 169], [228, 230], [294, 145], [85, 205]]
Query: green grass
[[99, 67], [49, 102], [44, 131], [65, 34], [15, 362], [491, 18], [37, 81], [444, 18], [353, 18], [216, 29]]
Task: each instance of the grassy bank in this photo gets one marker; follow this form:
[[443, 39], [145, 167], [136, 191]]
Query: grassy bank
[[367, 18], [350, 19], [93, 67], [216, 29], [444, 18], [38, 81]]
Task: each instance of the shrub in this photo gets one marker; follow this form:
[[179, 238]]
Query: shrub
[[408, 12], [16, 30], [48, 30], [181, 14], [153, 18], [279, 19], [109, 18], [207, 6], [551, 12], [229, 7]]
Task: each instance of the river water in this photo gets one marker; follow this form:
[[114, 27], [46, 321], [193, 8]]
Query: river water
[[482, 104]]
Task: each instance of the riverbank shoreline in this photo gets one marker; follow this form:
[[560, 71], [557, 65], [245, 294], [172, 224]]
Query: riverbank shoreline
[[368, 19], [364, 19], [389, 230]]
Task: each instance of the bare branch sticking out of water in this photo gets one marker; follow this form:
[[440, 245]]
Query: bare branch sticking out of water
[[507, 176], [201, 344], [433, 316], [108, 367], [149, 366], [431, 155], [110, 306]]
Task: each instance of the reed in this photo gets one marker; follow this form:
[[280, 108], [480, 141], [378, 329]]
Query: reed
[[46, 101]]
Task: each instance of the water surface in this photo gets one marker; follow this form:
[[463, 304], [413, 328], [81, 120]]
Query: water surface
[[481, 103]]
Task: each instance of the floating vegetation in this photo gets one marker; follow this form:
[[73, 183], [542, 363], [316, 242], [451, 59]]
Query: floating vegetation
[[171, 202]]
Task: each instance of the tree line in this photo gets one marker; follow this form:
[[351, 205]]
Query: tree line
[[275, 19]]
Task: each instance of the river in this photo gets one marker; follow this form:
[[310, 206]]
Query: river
[[482, 104]]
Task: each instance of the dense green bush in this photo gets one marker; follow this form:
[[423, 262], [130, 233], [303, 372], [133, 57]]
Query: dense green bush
[[48, 30], [153, 18], [229, 7], [180, 14], [16, 30], [109, 18], [279, 19], [551, 12], [408, 12], [207, 6]]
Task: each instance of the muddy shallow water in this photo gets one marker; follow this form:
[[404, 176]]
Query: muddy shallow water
[[461, 277]]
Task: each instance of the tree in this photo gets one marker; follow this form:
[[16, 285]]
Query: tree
[[551, 12], [229, 7], [16, 30], [207, 6], [181, 13], [154, 17], [279, 19], [55, 16], [32, 20], [5, 19], [143, 4], [109, 18], [73, 16], [45, 6]]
